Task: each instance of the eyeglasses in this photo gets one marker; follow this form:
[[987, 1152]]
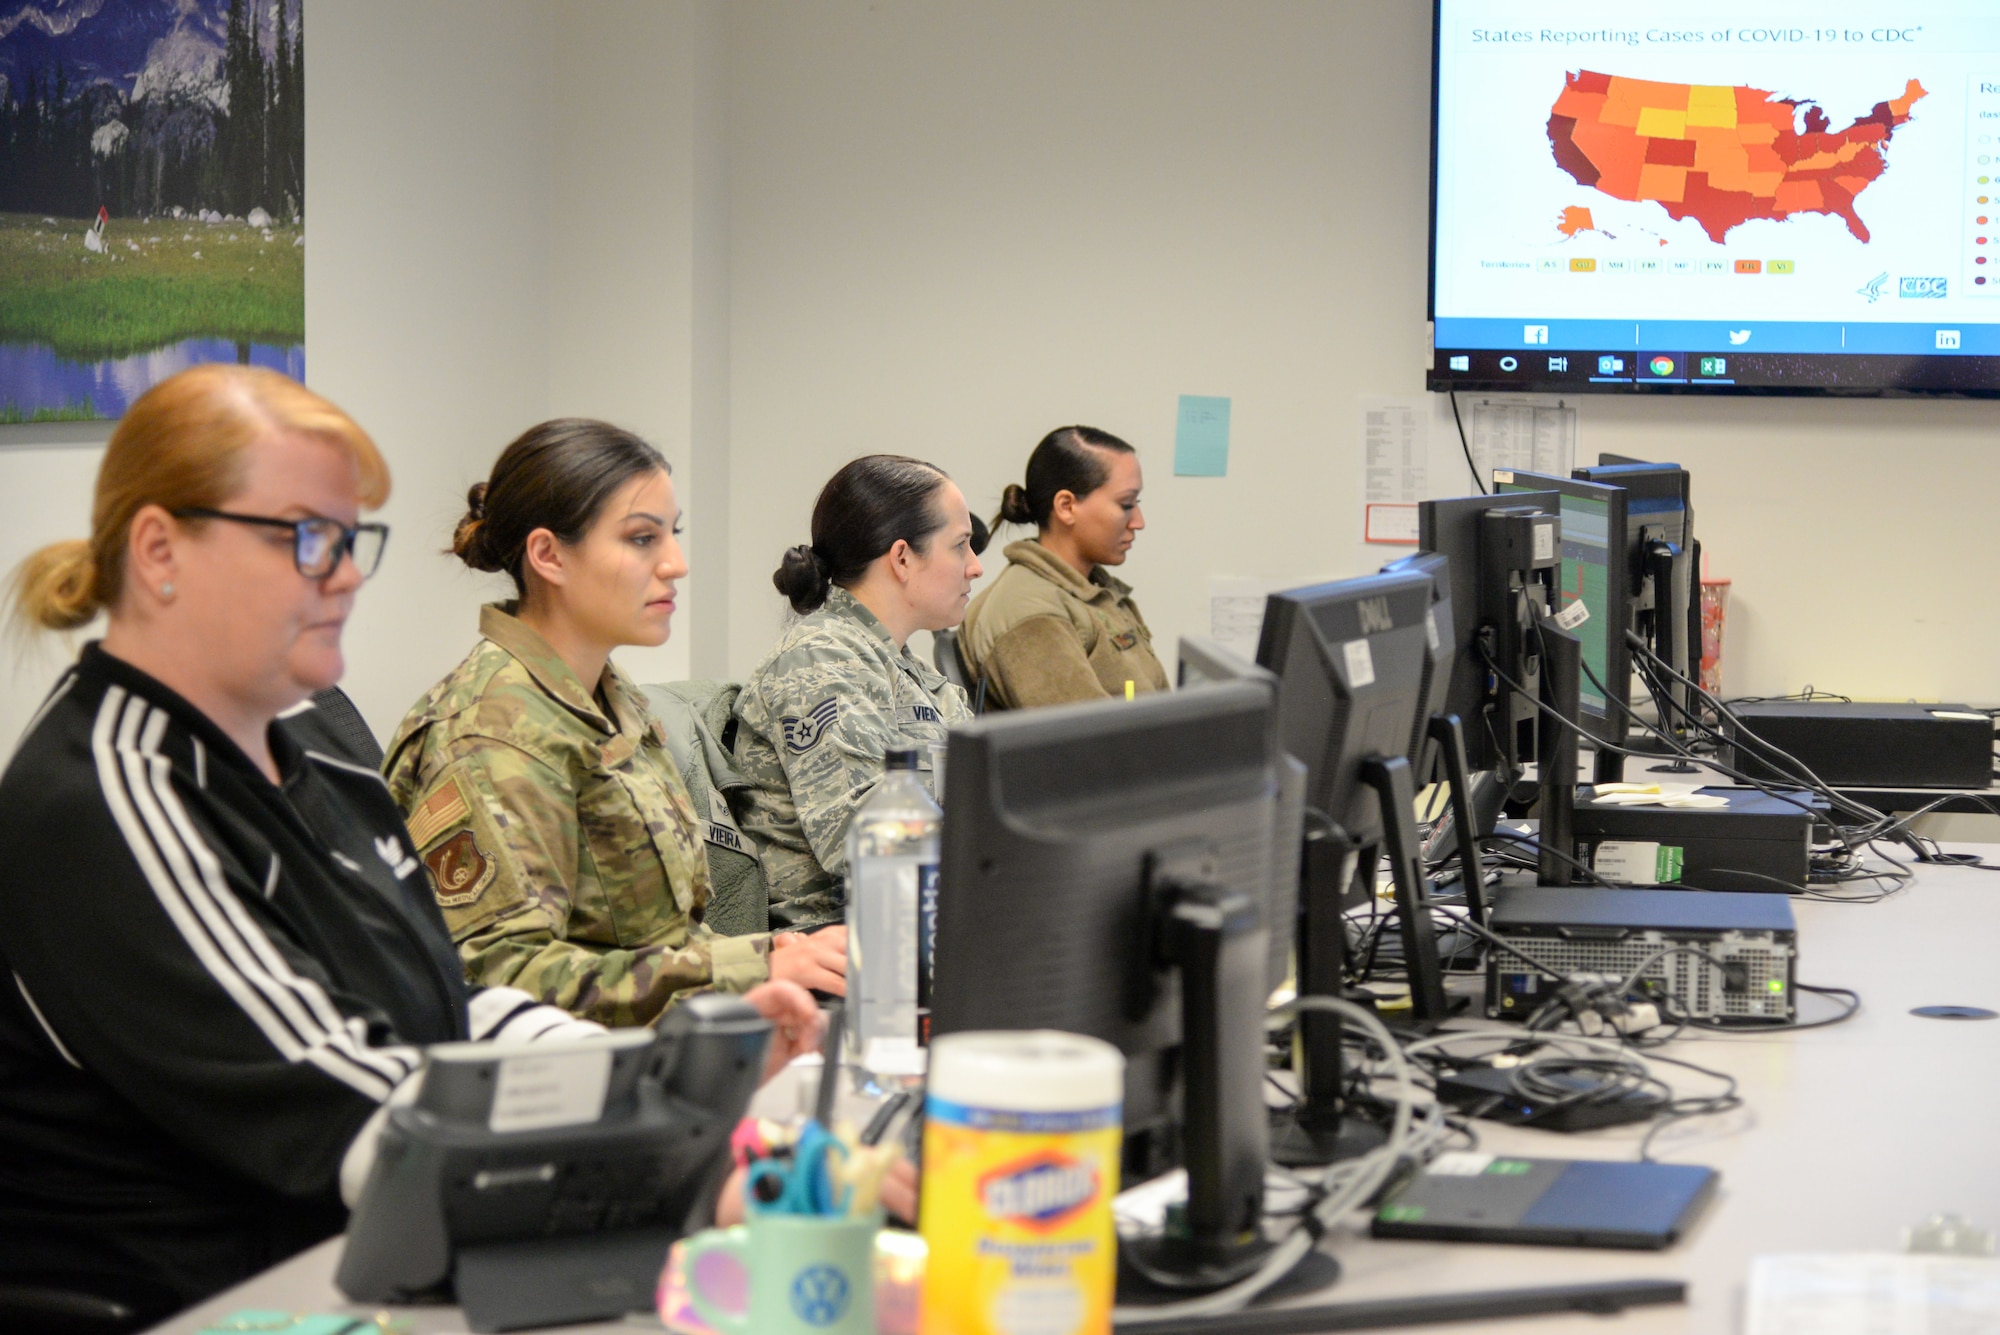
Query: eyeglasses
[[317, 544]]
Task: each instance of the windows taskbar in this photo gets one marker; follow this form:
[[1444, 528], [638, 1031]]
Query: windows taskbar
[[1546, 370]]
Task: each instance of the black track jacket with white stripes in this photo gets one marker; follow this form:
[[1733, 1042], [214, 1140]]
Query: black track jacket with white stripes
[[209, 985]]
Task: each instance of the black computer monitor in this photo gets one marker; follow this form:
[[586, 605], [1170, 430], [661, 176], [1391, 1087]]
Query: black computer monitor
[[1597, 542], [1437, 748], [1440, 649], [1504, 553], [1351, 658], [1515, 680], [1663, 568], [1109, 869]]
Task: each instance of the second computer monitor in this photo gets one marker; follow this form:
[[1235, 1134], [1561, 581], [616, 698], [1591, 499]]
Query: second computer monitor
[[1498, 548], [1441, 649], [1350, 658], [1595, 573], [1666, 607]]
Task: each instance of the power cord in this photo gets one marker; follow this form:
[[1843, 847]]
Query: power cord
[[1359, 1181], [1466, 446]]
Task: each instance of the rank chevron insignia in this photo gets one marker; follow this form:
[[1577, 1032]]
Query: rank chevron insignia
[[802, 734]]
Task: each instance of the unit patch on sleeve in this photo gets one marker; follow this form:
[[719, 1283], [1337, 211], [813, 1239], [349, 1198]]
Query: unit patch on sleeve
[[802, 734], [461, 869]]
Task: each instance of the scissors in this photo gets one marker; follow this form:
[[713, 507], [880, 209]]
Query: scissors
[[804, 1185]]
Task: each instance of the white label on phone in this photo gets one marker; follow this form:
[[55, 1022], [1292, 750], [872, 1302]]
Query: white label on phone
[[532, 1093]]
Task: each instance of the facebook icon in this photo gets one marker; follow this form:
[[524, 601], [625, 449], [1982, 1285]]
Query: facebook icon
[[1535, 333]]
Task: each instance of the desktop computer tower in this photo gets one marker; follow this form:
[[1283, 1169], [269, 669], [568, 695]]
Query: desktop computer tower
[[1759, 842], [1863, 745], [1740, 965]]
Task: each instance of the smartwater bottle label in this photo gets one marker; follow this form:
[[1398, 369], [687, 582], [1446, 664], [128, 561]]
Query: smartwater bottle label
[[886, 942], [927, 896]]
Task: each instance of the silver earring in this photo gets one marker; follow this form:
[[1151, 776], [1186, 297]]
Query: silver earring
[[167, 590]]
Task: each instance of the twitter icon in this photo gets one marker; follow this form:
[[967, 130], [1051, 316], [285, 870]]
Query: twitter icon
[[1738, 337]]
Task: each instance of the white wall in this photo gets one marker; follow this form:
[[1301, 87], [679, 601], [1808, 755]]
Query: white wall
[[638, 275], [46, 474]]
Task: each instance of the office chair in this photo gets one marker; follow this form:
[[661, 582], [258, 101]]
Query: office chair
[[335, 726], [944, 652], [951, 664]]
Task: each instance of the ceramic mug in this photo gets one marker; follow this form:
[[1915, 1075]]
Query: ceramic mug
[[809, 1274]]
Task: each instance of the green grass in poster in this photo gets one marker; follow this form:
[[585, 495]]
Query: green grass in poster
[[157, 283], [86, 411]]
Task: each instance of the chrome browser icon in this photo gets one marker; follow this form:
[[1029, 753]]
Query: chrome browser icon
[[1661, 366]]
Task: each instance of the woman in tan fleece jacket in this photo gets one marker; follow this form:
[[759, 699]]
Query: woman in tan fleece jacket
[[1056, 627]]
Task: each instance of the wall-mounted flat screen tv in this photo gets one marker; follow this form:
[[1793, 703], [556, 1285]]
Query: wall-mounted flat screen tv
[[1759, 196]]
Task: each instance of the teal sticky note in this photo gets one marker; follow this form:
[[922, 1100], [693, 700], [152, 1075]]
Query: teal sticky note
[[1201, 437]]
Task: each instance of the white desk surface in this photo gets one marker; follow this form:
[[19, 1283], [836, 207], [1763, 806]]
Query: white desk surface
[[1848, 1135]]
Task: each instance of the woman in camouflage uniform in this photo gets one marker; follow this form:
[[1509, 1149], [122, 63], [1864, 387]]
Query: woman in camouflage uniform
[[892, 553], [538, 787], [1056, 626]]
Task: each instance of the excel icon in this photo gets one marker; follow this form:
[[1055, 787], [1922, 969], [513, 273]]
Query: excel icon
[[1713, 366]]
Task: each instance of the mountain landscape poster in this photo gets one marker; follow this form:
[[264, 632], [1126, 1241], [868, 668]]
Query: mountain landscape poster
[[152, 197]]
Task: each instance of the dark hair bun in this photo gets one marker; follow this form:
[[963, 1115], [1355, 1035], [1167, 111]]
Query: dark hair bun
[[557, 475], [467, 540], [865, 509], [804, 577], [1014, 507], [1071, 459]]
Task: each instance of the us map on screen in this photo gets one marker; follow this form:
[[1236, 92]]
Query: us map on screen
[[1758, 195]]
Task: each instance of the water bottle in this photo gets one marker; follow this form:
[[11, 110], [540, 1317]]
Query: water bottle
[[892, 876]]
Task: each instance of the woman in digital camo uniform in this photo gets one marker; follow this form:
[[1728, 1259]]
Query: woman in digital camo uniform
[[893, 552]]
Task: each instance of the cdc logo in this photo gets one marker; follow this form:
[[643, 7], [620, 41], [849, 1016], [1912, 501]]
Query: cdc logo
[[1917, 289]]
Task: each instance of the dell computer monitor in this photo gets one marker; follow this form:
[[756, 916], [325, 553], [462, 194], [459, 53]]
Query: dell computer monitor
[[1662, 559], [1503, 552], [1350, 658], [1595, 557], [1440, 647], [1081, 844], [1660, 519], [1206, 663], [1354, 659]]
